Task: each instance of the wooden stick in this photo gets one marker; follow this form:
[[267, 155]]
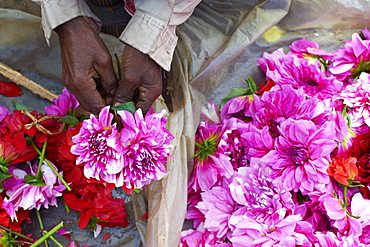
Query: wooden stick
[[21, 80]]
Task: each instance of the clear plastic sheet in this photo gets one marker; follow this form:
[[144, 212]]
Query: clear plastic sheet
[[217, 50]]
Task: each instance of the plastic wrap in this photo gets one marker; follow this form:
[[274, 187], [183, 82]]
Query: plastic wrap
[[217, 49]]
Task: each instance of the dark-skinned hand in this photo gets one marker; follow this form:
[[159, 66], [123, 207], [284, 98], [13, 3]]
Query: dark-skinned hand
[[85, 56], [141, 80]]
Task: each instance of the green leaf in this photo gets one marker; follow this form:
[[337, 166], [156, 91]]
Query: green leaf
[[137, 190], [4, 174], [251, 84], [128, 106], [70, 120], [33, 180], [20, 107], [236, 92]]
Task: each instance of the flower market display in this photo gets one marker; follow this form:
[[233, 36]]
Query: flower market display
[[61, 154], [287, 164]]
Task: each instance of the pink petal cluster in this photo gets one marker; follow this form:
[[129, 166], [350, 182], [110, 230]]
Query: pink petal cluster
[[133, 156], [98, 148], [3, 112], [64, 105], [146, 146], [356, 96], [19, 194], [280, 144], [352, 59], [302, 155]]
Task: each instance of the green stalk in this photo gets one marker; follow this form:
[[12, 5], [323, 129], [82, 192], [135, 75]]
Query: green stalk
[[53, 168], [16, 233], [345, 195], [42, 156], [41, 226], [47, 235]]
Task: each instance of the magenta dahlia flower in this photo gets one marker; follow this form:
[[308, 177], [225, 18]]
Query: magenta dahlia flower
[[211, 161], [217, 205], [356, 97], [262, 200], [302, 155], [306, 74], [309, 50], [98, 148], [27, 196], [64, 105], [146, 146], [274, 107], [352, 59]]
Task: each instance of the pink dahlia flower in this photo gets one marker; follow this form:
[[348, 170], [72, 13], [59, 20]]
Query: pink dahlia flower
[[302, 155], [64, 105], [211, 161], [274, 107], [309, 49], [217, 205], [261, 200], [356, 97], [98, 148], [352, 59], [306, 74], [146, 146], [27, 196], [288, 232]]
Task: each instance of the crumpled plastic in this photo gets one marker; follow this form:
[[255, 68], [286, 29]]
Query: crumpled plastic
[[217, 50]]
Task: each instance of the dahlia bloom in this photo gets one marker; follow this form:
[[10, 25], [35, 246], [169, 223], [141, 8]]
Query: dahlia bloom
[[210, 161], [274, 107], [351, 60], [290, 231], [98, 148], [64, 105], [302, 155], [306, 74], [356, 97], [217, 205], [262, 201], [146, 145], [28, 196], [309, 49]]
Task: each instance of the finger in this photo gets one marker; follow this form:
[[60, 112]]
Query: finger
[[147, 96], [107, 75], [124, 93], [87, 94]]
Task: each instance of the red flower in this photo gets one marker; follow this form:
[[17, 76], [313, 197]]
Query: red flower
[[361, 150], [343, 170]]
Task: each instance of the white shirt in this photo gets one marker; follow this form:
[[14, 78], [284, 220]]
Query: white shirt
[[151, 30]]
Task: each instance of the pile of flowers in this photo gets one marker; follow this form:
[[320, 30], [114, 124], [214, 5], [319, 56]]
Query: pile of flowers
[[44, 156], [288, 164]]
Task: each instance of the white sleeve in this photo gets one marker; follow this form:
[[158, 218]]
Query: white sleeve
[[152, 29], [57, 12]]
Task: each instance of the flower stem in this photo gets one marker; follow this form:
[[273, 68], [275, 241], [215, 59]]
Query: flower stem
[[16, 233], [42, 156], [47, 235], [345, 195], [41, 226], [53, 168]]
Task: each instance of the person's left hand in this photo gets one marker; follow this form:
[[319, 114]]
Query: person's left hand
[[141, 80]]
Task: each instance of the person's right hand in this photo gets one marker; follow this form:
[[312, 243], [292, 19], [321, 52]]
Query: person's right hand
[[84, 55]]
